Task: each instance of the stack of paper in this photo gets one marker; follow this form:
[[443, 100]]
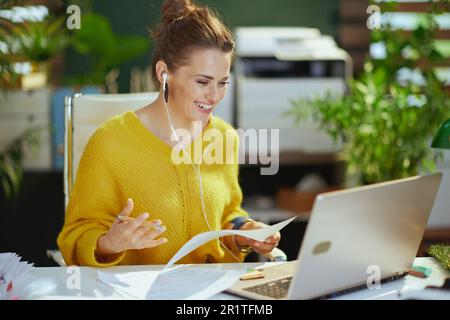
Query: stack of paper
[[14, 276]]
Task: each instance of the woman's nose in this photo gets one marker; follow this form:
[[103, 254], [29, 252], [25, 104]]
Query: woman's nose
[[213, 95]]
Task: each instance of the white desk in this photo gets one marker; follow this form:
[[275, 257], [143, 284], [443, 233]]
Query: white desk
[[52, 283]]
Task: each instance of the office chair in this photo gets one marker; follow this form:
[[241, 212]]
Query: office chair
[[83, 114]]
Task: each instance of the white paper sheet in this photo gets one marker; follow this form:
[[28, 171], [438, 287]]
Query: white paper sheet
[[187, 283], [131, 285], [255, 234]]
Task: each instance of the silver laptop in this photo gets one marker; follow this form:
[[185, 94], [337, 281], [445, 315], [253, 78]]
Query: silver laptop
[[352, 234]]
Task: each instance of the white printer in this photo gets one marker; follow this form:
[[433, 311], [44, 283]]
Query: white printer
[[275, 65]]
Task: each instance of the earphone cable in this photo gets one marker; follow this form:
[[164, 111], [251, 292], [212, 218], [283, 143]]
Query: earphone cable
[[197, 172]]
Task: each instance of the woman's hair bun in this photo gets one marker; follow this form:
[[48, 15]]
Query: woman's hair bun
[[172, 10], [184, 27]]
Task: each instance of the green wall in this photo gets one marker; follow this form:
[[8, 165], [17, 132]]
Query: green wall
[[135, 16]]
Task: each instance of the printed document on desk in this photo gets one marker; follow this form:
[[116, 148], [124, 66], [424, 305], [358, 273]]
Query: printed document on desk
[[202, 238], [189, 283], [182, 282], [130, 285]]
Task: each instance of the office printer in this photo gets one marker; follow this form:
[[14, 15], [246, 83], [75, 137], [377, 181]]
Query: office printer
[[275, 65]]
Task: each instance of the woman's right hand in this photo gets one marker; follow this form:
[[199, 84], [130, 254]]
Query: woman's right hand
[[130, 234]]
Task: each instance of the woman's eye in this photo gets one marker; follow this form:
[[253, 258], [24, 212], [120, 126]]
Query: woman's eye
[[223, 84], [203, 82]]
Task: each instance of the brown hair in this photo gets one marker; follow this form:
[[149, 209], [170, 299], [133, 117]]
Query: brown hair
[[185, 27]]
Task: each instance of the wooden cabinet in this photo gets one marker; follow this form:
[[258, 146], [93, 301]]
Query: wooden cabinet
[[22, 110]]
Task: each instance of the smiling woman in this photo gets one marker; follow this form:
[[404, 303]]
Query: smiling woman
[[127, 168]]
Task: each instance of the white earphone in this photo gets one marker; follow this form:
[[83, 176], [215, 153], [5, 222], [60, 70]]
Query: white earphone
[[196, 169], [165, 76]]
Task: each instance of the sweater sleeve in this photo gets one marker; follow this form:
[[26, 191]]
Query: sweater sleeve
[[92, 207]]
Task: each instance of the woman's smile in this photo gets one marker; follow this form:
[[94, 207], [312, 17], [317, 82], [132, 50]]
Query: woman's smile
[[203, 108]]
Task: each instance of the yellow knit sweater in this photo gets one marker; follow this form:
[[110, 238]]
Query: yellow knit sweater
[[122, 160]]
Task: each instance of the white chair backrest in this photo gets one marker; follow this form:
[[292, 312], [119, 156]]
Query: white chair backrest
[[84, 113]]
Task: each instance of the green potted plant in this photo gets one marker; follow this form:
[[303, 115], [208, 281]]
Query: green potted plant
[[39, 42], [31, 43], [11, 170], [442, 253], [386, 124], [104, 49]]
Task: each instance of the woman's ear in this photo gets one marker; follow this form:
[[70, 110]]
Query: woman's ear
[[161, 68]]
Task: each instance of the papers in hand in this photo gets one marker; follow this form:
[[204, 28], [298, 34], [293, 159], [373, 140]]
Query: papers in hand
[[255, 234], [14, 276]]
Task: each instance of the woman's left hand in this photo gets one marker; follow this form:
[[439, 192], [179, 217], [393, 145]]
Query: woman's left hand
[[260, 247]]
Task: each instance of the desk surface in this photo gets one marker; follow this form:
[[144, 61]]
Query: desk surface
[[54, 282]]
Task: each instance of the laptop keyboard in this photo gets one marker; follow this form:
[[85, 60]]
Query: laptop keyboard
[[276, 289]]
